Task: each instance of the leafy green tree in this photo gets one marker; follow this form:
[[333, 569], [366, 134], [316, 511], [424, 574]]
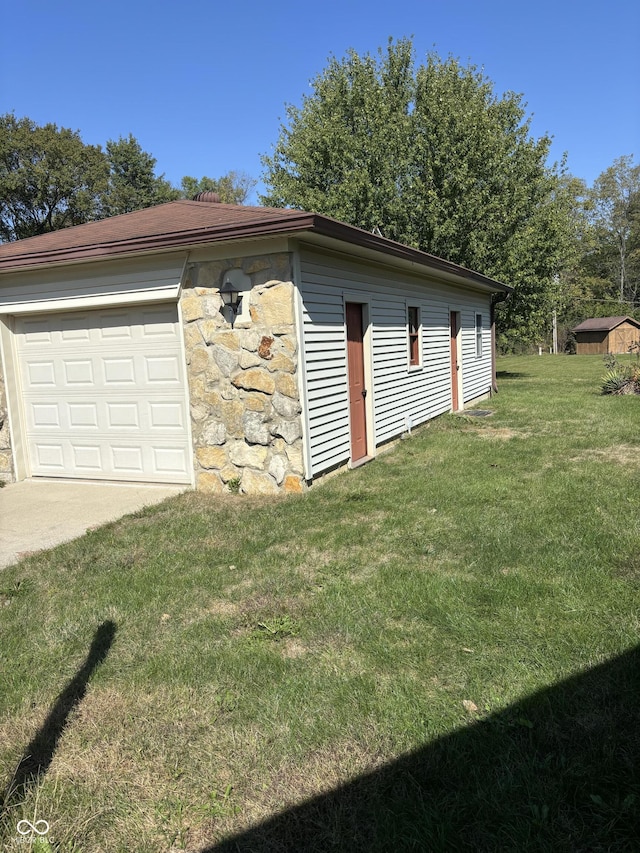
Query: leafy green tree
[[431, 157], [133, 183], [572, 295], [346, 151], [615, 217], [233, 188], [49, 178], [602, 272]]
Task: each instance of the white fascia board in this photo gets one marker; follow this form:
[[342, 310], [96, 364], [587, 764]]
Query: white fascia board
[[157, 294], [110, 285]]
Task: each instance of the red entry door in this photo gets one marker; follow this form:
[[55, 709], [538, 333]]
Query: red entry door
[[357, 391], [455, 366]]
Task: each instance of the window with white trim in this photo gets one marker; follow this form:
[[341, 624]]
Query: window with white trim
[[413, 331], [478, 335]]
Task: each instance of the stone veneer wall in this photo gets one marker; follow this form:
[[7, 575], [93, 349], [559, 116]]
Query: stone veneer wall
[[243, 382], [6, 460]]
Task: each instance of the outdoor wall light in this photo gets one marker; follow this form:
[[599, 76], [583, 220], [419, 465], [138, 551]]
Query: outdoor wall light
[[231, 298]]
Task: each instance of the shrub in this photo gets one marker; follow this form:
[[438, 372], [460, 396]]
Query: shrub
[[621, 379], [618, 381]]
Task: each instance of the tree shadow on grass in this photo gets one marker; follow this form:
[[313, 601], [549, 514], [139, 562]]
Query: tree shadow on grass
[[559, 771], [511, 374], [39, 753]]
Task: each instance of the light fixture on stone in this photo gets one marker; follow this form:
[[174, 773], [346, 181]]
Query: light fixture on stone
[[231, 298]]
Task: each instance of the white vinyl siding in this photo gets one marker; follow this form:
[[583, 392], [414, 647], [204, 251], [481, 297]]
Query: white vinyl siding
[[326, 375], [402, 395], [476, 371]]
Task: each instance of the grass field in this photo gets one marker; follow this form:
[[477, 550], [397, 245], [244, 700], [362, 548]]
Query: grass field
[[436, 652]]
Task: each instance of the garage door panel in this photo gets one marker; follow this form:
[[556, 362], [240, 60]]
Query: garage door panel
[[101, 371], [87, 458], [115, 326], [35, 333], [166, 415], [169, 460], [144, 416], [118, 371], [158, 323], [39, 374], [104, 394], [48, 457], [127, 460], [110, 459], [162, 369], [82, 415], [74, 329], [44, 415], [78, 371], [123, 416]]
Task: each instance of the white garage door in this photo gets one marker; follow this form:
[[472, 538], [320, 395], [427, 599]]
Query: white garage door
[[104, 394]]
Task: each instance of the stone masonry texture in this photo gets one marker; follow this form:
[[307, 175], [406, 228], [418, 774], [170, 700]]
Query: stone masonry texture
[[243, 379]]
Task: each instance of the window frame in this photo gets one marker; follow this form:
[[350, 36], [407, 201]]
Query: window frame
[[414, 338], [479, 335]]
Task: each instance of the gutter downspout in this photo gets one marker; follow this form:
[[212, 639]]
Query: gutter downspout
[[496, 298]]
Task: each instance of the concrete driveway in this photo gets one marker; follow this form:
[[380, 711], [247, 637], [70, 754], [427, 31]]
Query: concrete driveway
[[37, 514]]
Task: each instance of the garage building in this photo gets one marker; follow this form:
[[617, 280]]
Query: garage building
[[121, 361]]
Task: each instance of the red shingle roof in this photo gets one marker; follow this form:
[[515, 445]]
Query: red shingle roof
[[603, 324]]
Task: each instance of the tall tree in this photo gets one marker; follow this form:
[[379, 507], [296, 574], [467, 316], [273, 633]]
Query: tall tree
[[233, 188], [49, 178], [615, 214], [133, 183], [346, 151], [431, 157]]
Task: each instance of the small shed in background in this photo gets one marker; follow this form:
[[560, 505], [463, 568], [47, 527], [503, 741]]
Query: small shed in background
[[603, 335]]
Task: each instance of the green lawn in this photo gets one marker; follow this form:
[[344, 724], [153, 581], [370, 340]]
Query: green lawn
[[441, 648]]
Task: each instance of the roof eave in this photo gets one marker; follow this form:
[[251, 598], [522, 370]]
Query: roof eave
[[159, 242], [348, 233], [284, 225]]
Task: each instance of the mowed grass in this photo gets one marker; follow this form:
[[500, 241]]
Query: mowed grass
[[437, 651]]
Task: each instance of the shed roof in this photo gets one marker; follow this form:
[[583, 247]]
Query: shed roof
[[603, 324], [187, 223]]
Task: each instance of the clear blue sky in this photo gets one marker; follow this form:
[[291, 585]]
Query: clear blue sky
[[202, 85]]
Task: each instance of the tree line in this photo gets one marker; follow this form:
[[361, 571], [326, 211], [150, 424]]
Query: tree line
[[426, 154], [51, 179], [431, 156]]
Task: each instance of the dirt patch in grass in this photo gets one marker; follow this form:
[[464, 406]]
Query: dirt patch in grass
[[306, 560], [131, 760], [622, 454], [496, 433], [290, 783], [292, 648], [222, 607]]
